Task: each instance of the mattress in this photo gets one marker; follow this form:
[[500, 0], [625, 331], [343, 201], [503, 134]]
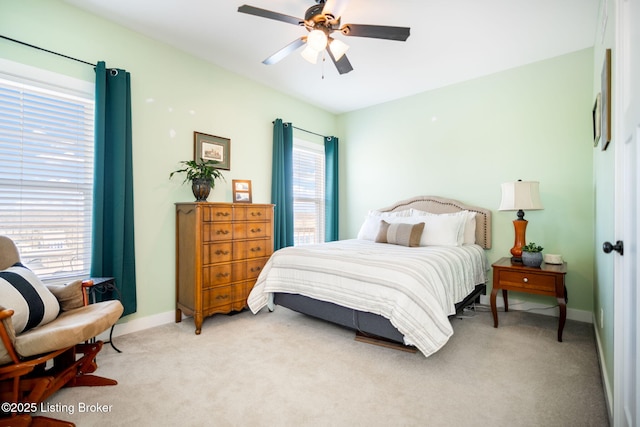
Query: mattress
[[416, 288]]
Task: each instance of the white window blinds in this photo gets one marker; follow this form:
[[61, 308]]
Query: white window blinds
[[46, 175], [308, 192]]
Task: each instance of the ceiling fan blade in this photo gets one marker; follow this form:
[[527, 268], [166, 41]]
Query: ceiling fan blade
[[343, 65], [335, 7], [287, 50], [376, 31], [263, 13]]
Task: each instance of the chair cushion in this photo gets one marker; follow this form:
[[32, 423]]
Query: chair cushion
[[69, 295], [22, 291], [70, 328]]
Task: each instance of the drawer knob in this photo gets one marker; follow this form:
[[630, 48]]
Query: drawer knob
[[222, 297], [256, 213], [525, 280], [256, 249], [222, 232], [256, 230], [253, 270], [221, 252], [223, 274], [222, 213]]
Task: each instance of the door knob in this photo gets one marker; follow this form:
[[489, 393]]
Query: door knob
[[607, 247]]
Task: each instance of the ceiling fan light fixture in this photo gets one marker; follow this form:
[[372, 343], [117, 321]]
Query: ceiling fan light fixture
[[310, 54], [317, 40], [338, 48]]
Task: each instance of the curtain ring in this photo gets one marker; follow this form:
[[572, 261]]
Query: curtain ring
[[113, 72]]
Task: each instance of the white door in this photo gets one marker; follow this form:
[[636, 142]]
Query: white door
[[627, 158]]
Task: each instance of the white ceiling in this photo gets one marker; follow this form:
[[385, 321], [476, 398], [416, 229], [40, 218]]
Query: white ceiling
[[451, 41]]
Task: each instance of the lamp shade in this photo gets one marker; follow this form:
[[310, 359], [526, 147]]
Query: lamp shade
[[338, 48], [317, 40], [520, 195], [310, 54]]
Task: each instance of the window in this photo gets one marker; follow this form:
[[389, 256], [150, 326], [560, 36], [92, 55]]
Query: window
[[308, 192], [46, 170]]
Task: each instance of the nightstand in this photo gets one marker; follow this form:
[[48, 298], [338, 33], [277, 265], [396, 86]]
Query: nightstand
[[548, 279]]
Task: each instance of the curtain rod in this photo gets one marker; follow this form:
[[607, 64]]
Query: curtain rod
[[304, 130], [308, 131], [46, 50]]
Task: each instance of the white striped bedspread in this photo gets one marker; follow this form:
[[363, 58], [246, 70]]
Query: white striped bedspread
[[415, 288]]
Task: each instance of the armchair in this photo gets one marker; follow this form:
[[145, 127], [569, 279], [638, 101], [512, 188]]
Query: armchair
[[45, 345]]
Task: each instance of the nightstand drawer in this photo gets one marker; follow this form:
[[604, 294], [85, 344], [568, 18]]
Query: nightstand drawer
[[528, 280]]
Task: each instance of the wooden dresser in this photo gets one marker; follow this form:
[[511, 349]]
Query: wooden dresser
[[220, 251]]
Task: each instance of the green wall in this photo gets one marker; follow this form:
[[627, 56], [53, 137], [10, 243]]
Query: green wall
[[463, 141], [173, 95]]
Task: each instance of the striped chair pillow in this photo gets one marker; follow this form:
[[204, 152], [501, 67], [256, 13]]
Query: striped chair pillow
[[23, 292]]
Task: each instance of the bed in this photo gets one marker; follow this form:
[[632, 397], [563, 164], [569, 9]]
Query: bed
[[413, 265]]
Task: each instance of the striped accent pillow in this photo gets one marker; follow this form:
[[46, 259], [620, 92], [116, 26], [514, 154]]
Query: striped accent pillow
[[400, 233], [23, 292]]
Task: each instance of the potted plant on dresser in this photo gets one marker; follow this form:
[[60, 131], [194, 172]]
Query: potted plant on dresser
[[532, 255], [202, 176]]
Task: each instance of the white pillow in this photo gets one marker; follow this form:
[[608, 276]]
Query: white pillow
[[441, 229], [470, 229], [371, 225]]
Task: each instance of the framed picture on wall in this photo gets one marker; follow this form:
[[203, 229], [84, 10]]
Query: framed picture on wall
[[241, 191], [605, 100], [211, 147], [597, 118]]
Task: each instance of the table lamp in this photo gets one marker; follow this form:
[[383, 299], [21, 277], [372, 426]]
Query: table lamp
[[520, 196]]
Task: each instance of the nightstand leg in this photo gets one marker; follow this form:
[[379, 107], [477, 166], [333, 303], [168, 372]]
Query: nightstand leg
[[563, 317], [494, 311], [505, 298]]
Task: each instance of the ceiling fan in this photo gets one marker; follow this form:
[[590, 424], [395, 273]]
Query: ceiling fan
[[321, 21]]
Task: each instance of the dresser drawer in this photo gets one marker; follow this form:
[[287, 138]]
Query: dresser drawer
[[249, 269], [217, 231], [215, 298], [217, 213], [528, 280], [254, 267], [217, 252], [251, 230], [241, 290], [217, 275], [252, 249], [252, 213]]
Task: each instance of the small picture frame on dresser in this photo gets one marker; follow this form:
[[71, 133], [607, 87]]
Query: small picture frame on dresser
[[241, 191]]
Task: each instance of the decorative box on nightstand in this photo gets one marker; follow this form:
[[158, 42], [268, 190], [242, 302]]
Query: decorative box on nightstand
[[548, 279]]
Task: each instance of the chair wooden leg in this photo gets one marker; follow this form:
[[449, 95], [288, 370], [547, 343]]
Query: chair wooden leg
[[25, 420], [50, 422]]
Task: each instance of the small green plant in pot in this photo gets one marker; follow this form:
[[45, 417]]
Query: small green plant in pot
[[202, 176], [532, 255]]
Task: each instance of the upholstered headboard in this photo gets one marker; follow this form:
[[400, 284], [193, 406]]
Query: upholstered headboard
[[439, 205]]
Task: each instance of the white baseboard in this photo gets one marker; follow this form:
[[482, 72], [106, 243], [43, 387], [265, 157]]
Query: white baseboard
[[608, 391], [547, 310]]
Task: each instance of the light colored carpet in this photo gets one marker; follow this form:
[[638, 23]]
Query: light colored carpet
[[286, 369]]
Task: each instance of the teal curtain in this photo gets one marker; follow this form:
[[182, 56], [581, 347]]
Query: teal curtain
[[282, 184], [113, 252], [331, 188]]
